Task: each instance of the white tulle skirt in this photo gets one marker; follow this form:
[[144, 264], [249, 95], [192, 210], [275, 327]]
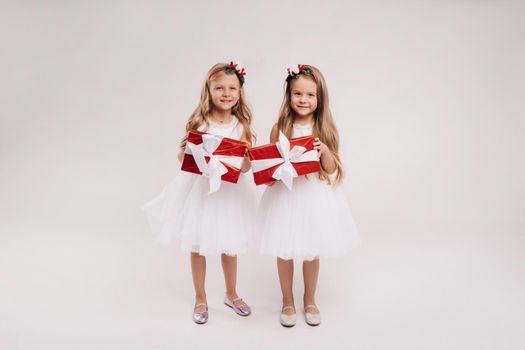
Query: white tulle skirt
[[311, 221], [221, 222]]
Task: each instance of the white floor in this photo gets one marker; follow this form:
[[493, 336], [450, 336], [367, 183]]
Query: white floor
[[116, 290]]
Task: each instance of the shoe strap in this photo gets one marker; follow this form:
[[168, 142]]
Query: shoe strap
[[288, 307], [306, 307], [201, 304]]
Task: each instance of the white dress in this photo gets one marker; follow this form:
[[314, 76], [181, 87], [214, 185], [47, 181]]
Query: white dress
[[209, 224], [311, 221]]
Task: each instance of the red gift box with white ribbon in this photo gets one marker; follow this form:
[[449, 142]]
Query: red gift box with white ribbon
[[284, 160], [217, 157]]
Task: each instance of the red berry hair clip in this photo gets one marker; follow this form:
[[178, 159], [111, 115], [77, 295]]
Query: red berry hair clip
[[295, 72], [235, 67]]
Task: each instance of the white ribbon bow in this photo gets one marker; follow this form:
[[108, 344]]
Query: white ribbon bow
[[286, 172], [215, 168]]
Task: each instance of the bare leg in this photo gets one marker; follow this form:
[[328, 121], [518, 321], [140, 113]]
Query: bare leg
[[198, 270], [229, 267], [285, 269], [310, 275]]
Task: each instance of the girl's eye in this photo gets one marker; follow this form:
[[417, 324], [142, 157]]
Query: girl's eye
[[218, 88], [311, 95]]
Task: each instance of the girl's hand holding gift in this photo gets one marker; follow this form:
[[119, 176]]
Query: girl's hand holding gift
[[325, 156], [182, 146], [320, 147], [246, 165], [183, 142]]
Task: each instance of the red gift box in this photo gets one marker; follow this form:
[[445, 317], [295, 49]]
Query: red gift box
[[270, 164], [219, 158]]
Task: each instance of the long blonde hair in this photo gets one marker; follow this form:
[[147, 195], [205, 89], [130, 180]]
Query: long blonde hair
[[241, 110], [324, 126]]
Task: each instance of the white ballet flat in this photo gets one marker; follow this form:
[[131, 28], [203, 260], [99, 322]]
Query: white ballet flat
[[288, 320], [312, 319]]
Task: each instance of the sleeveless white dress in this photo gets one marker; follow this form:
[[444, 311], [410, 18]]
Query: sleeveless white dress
[[311, 221], [209, 224]]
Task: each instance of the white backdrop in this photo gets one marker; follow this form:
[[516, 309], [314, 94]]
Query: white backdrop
[[428, 99]]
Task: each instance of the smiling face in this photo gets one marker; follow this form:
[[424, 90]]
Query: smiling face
[[303, 98], [224, 91]]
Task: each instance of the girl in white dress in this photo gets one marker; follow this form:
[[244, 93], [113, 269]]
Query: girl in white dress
[[312, 220], [216, 223]]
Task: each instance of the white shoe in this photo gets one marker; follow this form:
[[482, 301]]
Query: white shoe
[[312, 319], [288, 320]]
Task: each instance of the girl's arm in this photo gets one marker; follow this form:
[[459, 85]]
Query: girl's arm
[[325, 155], [246, 165], [274, 136], [180, 156]]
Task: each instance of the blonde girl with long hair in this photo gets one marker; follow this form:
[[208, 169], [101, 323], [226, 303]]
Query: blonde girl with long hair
[[312, 220], [217, 223]]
